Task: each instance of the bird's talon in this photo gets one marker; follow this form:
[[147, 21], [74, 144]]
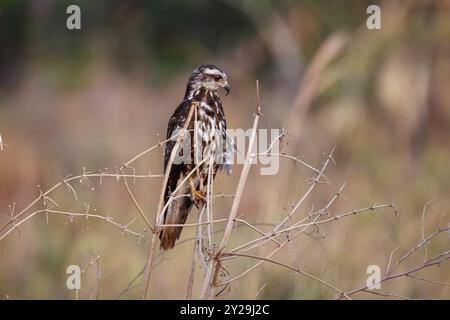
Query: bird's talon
[[198, 197]]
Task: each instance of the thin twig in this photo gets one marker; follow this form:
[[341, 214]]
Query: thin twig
[[298, 270], [66, 181], [136, 204], [401, 274], [173, 154], [70, 214], [214, 264]]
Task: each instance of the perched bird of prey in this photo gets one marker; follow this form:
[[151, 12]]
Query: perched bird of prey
[[207, 138]]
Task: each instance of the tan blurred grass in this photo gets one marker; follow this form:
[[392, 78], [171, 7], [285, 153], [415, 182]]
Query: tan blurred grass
[[390, 131]]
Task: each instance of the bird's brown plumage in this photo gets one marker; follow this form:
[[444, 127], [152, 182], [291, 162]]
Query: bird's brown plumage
[[211, 137]]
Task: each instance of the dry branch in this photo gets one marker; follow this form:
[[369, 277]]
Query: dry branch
[[159, 210], [214, 263]]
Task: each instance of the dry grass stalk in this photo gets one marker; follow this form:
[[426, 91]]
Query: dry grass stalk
[[204, 252]]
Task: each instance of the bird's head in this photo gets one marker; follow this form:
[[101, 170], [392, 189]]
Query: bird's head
[[209, 77]]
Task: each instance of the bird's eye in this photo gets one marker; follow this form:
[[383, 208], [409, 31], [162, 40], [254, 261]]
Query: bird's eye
[[217, 77]]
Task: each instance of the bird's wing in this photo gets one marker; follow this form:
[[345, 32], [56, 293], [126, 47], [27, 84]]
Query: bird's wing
[[179, 208], [176, 122]]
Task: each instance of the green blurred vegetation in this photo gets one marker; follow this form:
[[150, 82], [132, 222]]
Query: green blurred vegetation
[[163, 35]]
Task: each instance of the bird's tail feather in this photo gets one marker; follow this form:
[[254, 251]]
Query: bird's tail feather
[[176, 213]]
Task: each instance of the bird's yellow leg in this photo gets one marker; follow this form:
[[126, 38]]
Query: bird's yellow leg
[[197, 195]]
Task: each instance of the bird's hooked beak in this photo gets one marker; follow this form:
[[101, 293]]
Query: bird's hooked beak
[[227, 88]]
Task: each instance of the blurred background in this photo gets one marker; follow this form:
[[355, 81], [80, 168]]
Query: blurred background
[[96, 97]]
